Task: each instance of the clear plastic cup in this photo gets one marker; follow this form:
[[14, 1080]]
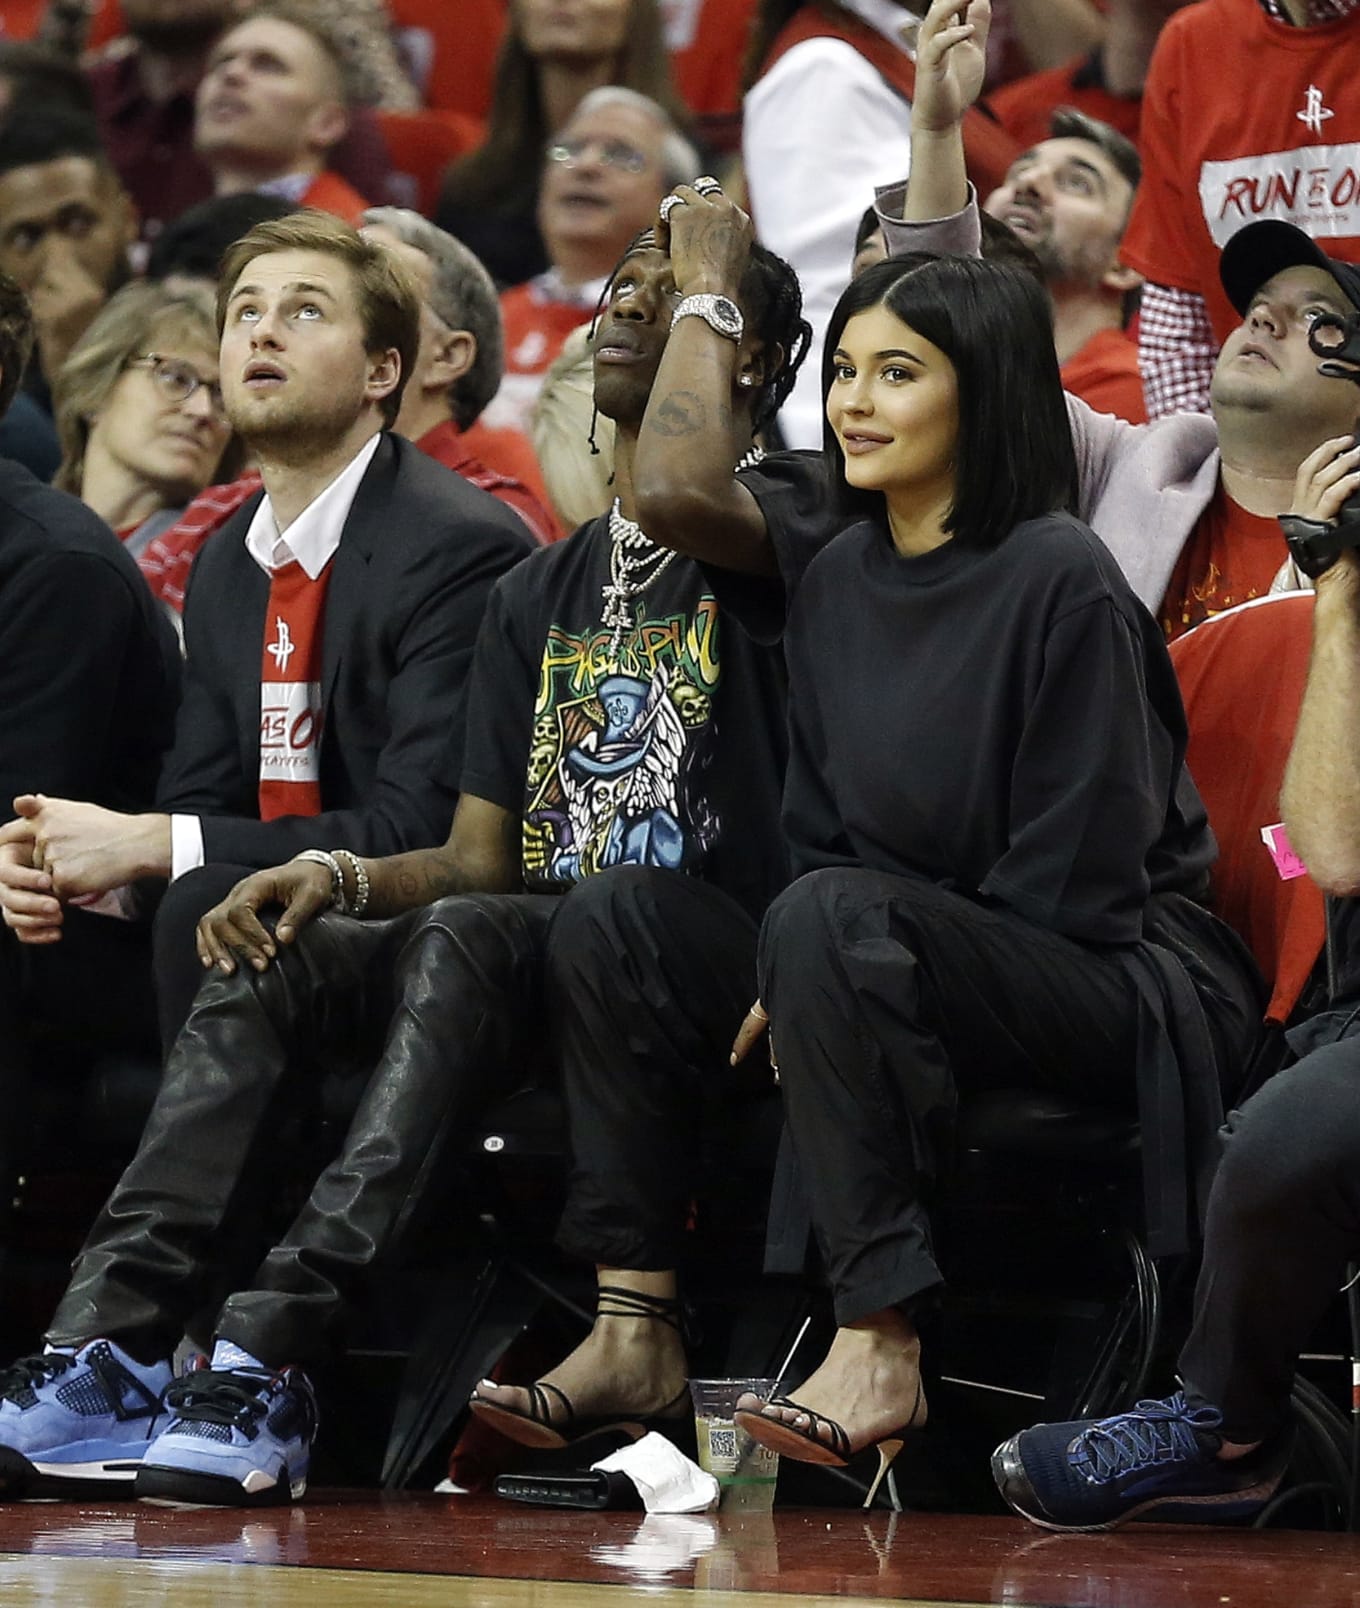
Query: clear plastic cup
[[745, 1471]]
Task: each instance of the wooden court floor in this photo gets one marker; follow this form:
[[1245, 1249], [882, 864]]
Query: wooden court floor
[[357, 1551]]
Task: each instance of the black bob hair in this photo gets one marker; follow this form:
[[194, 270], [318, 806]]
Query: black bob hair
[[1014, 459]]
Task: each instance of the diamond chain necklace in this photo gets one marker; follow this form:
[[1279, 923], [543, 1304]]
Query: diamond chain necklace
[[635, 562]]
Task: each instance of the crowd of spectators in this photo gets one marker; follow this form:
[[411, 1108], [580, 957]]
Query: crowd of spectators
[[523, 460]]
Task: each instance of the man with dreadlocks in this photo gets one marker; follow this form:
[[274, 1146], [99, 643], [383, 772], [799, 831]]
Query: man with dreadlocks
[[593, 914]]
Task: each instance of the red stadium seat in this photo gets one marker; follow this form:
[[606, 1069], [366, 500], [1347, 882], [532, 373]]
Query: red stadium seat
[[450, 47], [421, 145]]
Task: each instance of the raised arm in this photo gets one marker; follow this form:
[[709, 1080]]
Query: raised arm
[[951, 52], [684, 466]]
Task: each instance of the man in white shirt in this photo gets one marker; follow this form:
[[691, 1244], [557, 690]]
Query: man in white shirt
[[394, 555], [820, 130]]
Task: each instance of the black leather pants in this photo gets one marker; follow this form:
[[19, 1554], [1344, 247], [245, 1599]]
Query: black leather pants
[[437, 1011]]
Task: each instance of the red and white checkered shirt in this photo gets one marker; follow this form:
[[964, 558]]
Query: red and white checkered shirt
[[1176, 345]]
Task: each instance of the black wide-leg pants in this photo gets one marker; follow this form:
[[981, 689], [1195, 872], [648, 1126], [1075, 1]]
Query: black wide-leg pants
[[888, 996], [1283, 1221], [439, 1011], [649, 976]]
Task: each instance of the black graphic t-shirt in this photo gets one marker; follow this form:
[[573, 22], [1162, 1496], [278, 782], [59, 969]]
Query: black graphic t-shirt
[[668, 753]]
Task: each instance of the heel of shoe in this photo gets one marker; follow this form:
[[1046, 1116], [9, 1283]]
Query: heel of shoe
[[887, 1451]]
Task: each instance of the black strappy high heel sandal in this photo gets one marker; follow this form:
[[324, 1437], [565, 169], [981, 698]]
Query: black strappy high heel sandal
[[806, 1445], [543, 1428]]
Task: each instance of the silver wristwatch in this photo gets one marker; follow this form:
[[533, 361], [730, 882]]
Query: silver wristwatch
[[720, 313]]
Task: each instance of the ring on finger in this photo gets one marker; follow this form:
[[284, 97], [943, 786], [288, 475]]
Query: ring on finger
[[668, 205], [707, 185]]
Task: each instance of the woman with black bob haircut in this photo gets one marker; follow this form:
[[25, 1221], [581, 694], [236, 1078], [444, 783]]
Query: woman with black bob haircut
[[1013, 455], [999, 858]]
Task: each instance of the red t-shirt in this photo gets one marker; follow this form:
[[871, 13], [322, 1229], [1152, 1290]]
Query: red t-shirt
[[1244, 118], [1232, 556], [448, 445], [510, 453], [1104, 374], [536, 325], [1242, 678], [1025, 106]]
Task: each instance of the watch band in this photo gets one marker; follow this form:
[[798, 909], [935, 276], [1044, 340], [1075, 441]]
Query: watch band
[[720, 313], [1314, 544]]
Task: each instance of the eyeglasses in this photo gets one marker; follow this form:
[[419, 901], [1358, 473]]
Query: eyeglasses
[[613, 153], [179, 380]]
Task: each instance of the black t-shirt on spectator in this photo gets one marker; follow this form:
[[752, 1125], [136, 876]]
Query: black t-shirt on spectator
[[1003, 721], [671, 754]]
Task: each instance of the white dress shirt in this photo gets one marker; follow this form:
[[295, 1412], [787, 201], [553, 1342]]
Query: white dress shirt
[[820, 130], [311, 539]]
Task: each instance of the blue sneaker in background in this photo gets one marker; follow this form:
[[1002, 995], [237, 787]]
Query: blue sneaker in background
[[1160, 1460], [77, 1423], [239, 1435]]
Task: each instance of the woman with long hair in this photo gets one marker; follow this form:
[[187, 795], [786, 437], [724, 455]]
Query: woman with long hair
[[552, 56]]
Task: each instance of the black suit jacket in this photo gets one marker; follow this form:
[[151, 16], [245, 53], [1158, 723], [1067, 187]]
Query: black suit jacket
[[417, 559], [89, 664]]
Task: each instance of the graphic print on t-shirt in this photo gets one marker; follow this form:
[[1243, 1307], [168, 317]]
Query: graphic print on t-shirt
[[619, 747], [1316, 188]]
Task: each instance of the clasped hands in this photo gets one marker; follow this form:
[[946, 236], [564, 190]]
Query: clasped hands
[[59, 851]]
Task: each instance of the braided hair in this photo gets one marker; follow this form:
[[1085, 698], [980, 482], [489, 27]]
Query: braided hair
[[772, 300]]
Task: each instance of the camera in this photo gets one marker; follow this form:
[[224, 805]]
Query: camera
[[1314, 545]]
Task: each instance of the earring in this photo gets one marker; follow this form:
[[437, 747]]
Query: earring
[[747, 380]]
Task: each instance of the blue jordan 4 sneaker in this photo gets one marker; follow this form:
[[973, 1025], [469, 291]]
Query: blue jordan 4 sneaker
[[78, 1423], [1156, 1462], [239, 1434]]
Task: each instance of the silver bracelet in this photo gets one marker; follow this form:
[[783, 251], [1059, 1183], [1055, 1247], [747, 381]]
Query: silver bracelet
[[361, 884], [323, 857]]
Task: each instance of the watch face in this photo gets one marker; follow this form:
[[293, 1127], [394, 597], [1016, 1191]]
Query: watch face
[[727, 315]]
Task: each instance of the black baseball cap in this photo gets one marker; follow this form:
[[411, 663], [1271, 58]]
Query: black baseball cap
[[1262, 250]]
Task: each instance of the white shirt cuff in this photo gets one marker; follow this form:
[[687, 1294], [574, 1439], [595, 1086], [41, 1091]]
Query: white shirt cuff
[[186, 844]]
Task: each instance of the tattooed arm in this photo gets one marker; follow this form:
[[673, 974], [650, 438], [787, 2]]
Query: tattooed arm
[[698, 419], [480, 856]]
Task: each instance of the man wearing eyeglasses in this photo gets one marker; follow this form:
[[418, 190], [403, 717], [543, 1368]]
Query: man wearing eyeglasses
[[328, 626], [604, 174]]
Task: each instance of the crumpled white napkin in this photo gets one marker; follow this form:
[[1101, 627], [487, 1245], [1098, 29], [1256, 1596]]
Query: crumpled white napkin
[[666, 1480]]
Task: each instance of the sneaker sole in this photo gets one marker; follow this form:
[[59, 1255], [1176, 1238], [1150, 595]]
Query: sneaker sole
[[22, 1480], [179, 1487], [1013, 1483]]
